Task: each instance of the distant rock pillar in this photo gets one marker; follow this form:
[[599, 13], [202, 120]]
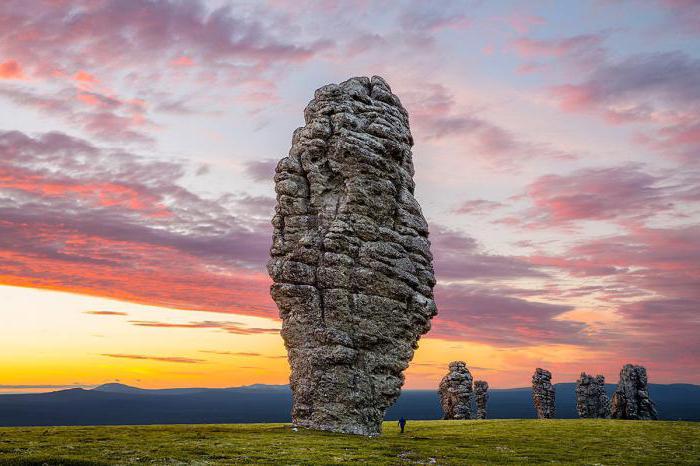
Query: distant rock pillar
[[543, 393], [631, 398], [481, 394], [456, 392], [591, 399]]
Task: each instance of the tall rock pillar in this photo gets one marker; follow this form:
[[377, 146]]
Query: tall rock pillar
[[350, 259]]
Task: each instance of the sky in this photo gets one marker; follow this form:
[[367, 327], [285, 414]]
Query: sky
[[557, 155]]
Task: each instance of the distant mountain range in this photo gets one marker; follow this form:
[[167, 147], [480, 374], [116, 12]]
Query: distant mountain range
[[121, 404]]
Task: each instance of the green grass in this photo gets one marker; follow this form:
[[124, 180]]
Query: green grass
[[425, 442]]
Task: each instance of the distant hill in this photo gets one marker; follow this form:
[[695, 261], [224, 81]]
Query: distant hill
[[123, 404]]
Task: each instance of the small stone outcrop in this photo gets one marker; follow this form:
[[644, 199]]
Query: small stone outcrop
[[591, 399], [350, 259], [456, 392], [543, 393], [631, 398], [481, 395]]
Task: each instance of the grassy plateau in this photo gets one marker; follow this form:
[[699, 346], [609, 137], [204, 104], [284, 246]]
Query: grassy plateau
[[565, 441]]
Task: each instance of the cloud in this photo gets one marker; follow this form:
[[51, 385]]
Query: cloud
[[477, 206], [79, 73], [658, 89], [105, 117], [523, 22], [230, 327], [684, 15], [106, 313], [435, 116], [664, 262], [10, 69], [231, 353], [84, 35], [459, 257], [621, 195], [475, 313], [261, 170], [106, 222], [623, 192], [429, 18], [175, 359], [581, 45], [670, 75]]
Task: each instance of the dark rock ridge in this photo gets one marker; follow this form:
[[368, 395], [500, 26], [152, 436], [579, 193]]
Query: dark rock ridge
[[481, 395], [631, 398], [591, 400], [543, 393], [350, 259], [455, 392]]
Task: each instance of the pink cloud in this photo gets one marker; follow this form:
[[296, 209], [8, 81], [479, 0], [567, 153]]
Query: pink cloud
[[85, 77], [227, 45], [657, 89], [104, 116], [522, 22], [11, 70], [475, 313], [435, 116], [183, 60], [121, 227], [597, 194], [459, 257], [541, 48], [620, 194], [684, 14], [477, 206]]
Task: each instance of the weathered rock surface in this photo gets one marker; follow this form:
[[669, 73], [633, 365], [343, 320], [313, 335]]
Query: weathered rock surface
[[350, 260], [631, 398], [481, 395], [455, 392], [543, 393], [591, 399]]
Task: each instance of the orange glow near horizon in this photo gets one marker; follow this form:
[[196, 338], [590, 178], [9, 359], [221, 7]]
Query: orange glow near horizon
[[64, 339]]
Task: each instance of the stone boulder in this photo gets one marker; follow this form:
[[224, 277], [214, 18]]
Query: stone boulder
[[455, 392], [350, 259], [631, 398], [591, 399], [481, 395], [543, 393]]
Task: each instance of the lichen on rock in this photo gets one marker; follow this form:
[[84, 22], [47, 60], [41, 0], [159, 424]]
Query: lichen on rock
[[350, 259], [543, 393], [631, 398], [455, 392]]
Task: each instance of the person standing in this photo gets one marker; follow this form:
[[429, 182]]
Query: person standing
[[402, 423]]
